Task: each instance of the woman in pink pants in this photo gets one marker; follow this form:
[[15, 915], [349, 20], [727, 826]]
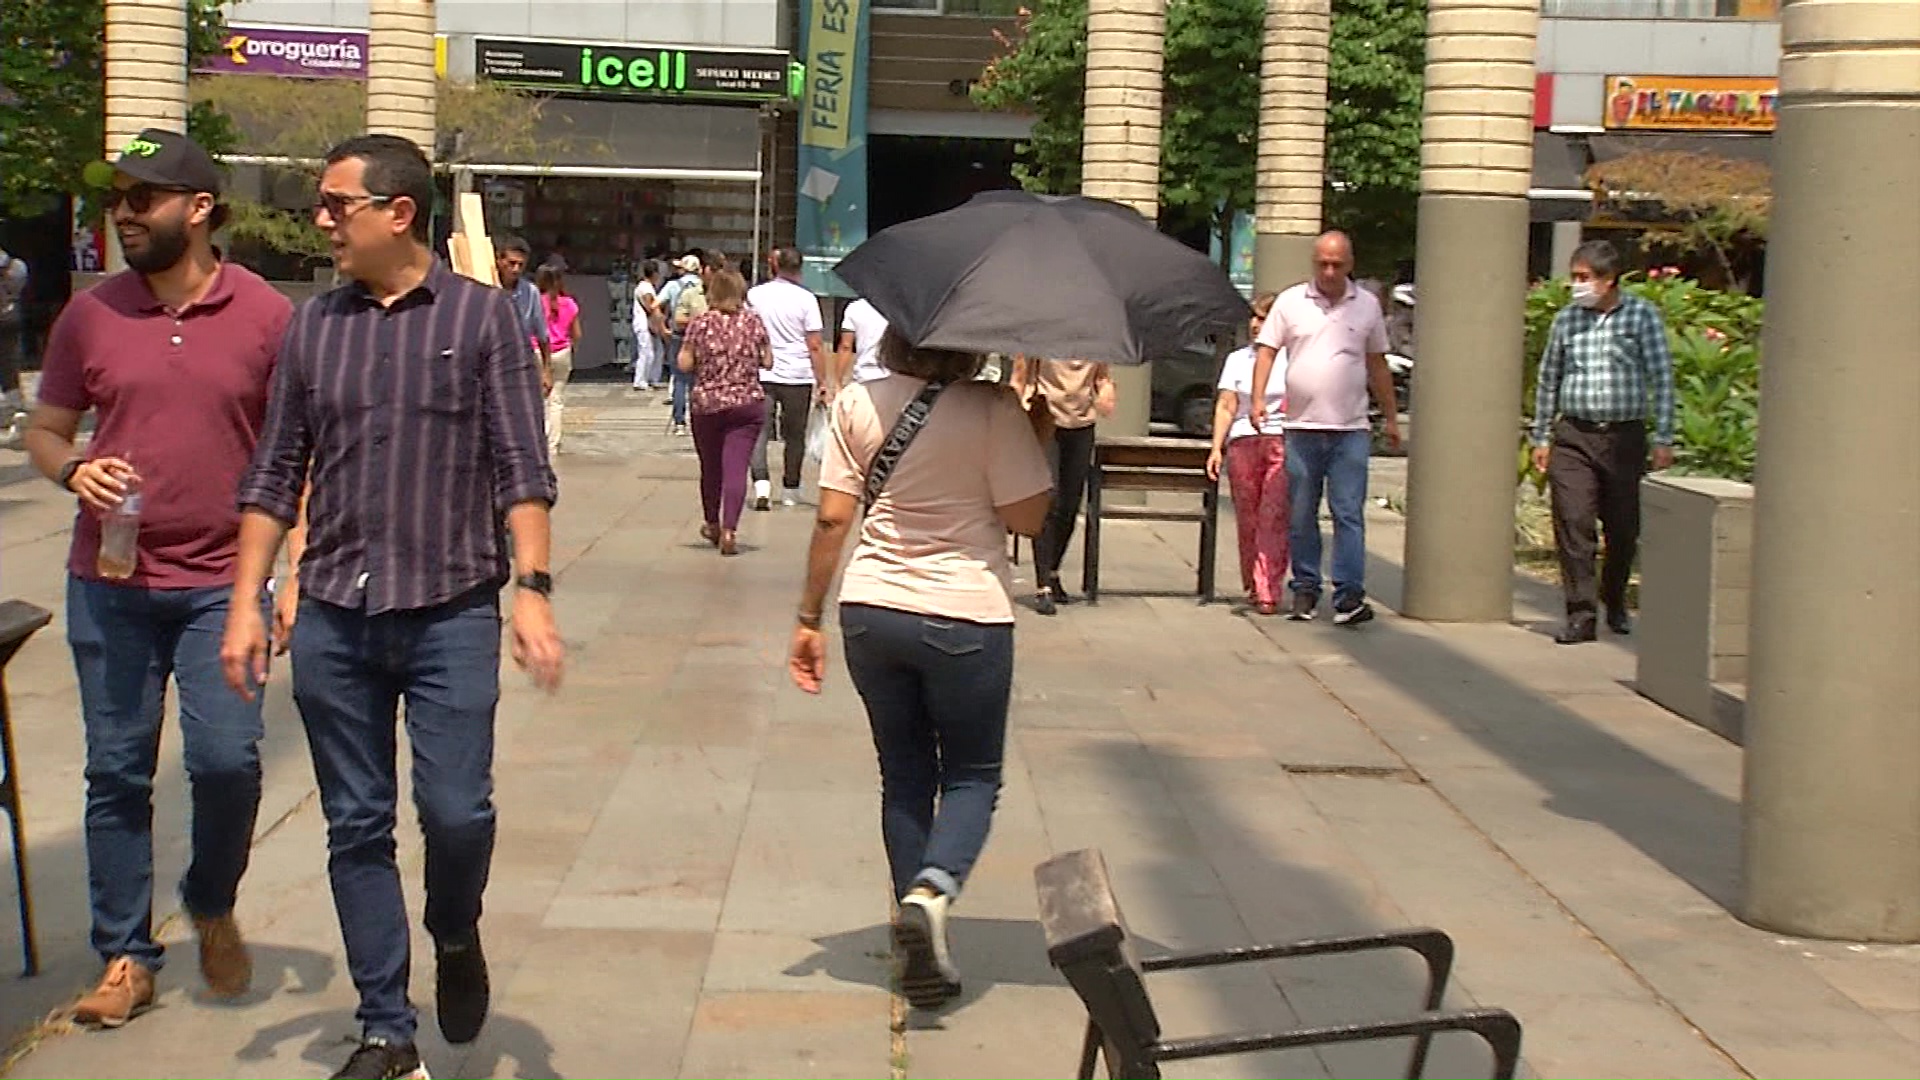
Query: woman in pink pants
[[726, 350], [1256, 467]]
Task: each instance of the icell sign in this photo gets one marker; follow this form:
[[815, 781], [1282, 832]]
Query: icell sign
[[633, 70]]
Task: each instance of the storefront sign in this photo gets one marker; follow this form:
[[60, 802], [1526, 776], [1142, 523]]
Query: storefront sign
[[832, 212], [311, 53], [1672, 103], [650, 71]]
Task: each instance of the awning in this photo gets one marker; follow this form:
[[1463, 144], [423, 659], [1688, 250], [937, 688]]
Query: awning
[[628, 138], [1612, 147], [1558, 190]]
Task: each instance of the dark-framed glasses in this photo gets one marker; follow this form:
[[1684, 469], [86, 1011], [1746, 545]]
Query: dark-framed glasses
[[336, 205], [138, 198]]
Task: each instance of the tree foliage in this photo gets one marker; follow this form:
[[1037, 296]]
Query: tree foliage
[[1212, 86], [1711, 205], [52, 95]]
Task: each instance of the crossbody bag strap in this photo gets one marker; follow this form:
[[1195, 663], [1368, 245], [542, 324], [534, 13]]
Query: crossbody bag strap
[[912, 419]]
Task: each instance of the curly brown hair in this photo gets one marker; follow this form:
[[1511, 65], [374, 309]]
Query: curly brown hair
[[902, 357]]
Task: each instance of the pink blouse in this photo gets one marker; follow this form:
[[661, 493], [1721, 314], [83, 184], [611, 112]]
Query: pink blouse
[[560, 316], [726, 353]]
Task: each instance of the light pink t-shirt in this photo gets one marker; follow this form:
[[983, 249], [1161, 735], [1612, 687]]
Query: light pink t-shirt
[[1326, 343], [932, 544]]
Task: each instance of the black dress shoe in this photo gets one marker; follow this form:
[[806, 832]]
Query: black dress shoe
[[1579, 629], [1618, 622], [1043, 603]]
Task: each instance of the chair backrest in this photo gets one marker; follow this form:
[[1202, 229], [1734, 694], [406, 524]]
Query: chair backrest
[[1087, 941], [18, 622]]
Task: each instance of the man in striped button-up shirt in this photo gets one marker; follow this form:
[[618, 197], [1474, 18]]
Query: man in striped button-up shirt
[[1606, 362], [411, 404]]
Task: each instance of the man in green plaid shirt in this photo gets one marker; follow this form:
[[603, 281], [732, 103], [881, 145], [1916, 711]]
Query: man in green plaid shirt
[[1606, 365]]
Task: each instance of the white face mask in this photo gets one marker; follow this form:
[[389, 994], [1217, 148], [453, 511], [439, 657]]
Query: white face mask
[[1588, 294]]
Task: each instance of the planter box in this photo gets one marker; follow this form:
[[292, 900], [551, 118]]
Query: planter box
[[1696, 564]]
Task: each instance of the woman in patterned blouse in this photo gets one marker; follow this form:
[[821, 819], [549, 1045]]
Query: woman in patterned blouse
[[726, 349]]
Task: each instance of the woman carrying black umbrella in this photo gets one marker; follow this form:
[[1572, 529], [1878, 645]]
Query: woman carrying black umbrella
[[926, 615]]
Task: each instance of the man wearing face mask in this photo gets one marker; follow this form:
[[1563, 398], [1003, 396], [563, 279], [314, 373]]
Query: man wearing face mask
[[1605, 366], [173, 356]]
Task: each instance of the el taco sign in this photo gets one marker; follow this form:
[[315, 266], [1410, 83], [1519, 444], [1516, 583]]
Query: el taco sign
[[289, 52], [1673, 103]]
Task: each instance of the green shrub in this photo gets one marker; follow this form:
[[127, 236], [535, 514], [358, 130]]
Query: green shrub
[[1715, 339]]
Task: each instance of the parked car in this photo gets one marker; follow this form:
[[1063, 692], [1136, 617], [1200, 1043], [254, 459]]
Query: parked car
[[1183, 390]]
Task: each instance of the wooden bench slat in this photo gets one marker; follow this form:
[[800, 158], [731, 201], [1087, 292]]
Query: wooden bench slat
[[1172, 483], [1151, 513]]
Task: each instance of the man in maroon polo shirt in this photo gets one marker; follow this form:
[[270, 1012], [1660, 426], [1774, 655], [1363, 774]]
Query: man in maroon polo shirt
[[173, 356]]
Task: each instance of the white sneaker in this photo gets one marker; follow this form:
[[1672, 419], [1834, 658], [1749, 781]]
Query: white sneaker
[[789, 496], [927, 975], [763, 494]]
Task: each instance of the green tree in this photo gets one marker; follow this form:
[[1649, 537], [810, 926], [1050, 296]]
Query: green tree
[[52, 96], [1212, 92]]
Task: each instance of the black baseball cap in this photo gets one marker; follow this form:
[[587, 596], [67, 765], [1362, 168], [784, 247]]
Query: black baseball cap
[[162, 158]]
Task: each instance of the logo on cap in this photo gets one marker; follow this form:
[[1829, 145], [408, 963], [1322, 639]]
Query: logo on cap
[[140, 147]]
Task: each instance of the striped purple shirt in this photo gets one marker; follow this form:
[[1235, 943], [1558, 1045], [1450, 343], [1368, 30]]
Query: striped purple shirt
[[422, 424]]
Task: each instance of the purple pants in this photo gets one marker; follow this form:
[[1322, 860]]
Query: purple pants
[[724, 440]]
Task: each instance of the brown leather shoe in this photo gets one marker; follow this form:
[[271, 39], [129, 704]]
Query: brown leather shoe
[[224, 960], [125, 991]]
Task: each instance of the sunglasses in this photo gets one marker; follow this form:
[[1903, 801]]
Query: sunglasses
[[139, 198], [336, 205]]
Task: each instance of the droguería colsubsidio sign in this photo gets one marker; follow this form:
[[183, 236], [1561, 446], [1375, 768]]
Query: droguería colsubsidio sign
[[638, 71]]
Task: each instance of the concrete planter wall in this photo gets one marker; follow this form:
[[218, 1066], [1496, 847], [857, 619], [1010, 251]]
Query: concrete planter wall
[[1695, 573]]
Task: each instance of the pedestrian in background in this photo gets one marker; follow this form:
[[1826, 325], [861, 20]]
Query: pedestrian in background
[[1074, 394], [861, 328], [510, 262], [173, 356], [1256, 467], [13, 321], [1606, 366], [410, 399], [799, 373], [728, 353], [563, 329], [1334, 338], [686, 274], [688, 304], [649, 367], [926, 615]]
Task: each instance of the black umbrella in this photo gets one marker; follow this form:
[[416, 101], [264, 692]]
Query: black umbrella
[[1057, 276]]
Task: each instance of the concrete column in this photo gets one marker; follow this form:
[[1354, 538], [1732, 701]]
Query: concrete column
[[1831, 844], [1120, 150], [402, 92], [1476, 160], [1566, 236], [1292, 141], [146, 77]]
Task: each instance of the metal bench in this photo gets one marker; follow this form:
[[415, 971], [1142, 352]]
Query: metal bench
[[1150, 464], [1087, 941], [19, 621]]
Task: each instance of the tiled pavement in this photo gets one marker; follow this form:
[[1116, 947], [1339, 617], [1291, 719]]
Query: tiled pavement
[[689, 878]]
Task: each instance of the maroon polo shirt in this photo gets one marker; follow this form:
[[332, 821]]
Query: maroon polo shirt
[[180, 394]]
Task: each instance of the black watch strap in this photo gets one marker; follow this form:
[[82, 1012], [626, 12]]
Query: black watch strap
[[65, 476], [538, 581]]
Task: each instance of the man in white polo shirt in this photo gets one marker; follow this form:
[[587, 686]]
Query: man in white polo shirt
[[861, 328], [1335, 339], [794, 327]]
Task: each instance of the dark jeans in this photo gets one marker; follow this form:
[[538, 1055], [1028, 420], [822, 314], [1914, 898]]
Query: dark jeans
[[1333, 464], [126, 642], [936, 692], [350, 672], [1070, 456], [12, 348], [1594, 473], [787, 407], [724, 440], [681, 381]]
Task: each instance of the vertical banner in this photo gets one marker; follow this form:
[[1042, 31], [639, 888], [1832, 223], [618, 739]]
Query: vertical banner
[[831, 219], [1239, 260]]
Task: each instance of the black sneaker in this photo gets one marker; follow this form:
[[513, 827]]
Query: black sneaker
[[462, 992], [1305, 605], [1043, 603], [1360, 612], [378, 1059], [1578, 631], [1618, 622]]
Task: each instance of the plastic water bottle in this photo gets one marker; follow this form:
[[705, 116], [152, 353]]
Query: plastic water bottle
[[120, 536]]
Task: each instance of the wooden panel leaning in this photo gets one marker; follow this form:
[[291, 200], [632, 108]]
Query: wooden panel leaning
[[1177, 466], [19, 621], [1087, 941]]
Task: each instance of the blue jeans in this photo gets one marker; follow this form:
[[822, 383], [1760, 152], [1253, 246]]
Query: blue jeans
[[1333, 463], [936, 692], [350, 672], [126, 642], [682, 380]]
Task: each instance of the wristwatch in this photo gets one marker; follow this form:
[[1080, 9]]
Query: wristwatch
[[538, 581], [65, 476]]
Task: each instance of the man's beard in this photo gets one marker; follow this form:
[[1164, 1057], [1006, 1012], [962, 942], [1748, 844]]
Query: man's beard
[[166, 246]]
